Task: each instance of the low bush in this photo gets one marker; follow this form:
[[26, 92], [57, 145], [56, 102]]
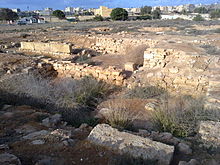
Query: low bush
[[72, 98], [120, 115], [179, 116], [198, 18], [145, 17], [98, 18], [145, 92], [90, 91], [217, 30]]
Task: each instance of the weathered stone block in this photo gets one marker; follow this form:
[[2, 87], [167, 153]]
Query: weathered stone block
[[133, 145], [130, 66], [47, 47]]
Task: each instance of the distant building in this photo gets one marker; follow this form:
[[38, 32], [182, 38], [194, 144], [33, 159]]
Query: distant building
[[181, 16], [46, 12], [103, 11], [28, 20], [133, 11], [16, 10], [69, 10]]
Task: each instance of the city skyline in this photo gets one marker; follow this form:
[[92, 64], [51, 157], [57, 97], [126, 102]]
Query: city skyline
[[61, 4]]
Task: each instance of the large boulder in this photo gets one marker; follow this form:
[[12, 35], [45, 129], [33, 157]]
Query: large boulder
[[135, 146], [209, 132], [9, 159]]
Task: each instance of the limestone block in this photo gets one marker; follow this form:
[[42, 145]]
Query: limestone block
[[103, 77], [119, 82], [130, 66], [148, 56], [133, 145], [174, 70], [47, 47], [27, 46]]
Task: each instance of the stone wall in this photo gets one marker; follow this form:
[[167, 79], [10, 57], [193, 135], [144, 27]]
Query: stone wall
[[119, 45], [56, 49], [110, 75], [177, 71]]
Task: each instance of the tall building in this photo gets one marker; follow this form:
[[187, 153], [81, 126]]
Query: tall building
[[69, 10], [46, 12], [103, 11]]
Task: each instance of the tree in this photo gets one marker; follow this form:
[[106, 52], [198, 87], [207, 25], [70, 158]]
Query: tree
[[119, 14], [198, 18], [146, 10], [156, 14], [59, 14], [98, 18], [215, 14], [7, 14], [201, 10]]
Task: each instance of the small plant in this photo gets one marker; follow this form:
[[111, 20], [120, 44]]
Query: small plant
[[120, 115], [145, 92], [198, 18], [178, 116], [98, 18], [217, 30], [91, 91]]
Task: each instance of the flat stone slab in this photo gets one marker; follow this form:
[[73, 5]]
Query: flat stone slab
[[135, 146], [209, 132], [36, 135]]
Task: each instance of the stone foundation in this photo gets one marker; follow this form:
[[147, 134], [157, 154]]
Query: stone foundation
[[59, 50], [178, 71], [110, 75]]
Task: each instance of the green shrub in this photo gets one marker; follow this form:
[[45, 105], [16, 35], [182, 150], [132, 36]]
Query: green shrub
[[146, 10], [145, 92], [98, 18], [201, 10], [90, 91], [145, 17], [7, 14], [215, 14], [179, 116], [198, 18], [156, 14], [119, 14], [59, 14], [217, 30]]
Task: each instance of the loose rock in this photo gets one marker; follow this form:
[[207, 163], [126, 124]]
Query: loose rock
[[133, 145]]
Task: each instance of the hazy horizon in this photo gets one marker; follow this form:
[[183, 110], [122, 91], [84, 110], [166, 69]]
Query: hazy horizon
[[61, 4]]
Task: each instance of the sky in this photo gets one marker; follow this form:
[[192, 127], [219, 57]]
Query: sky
[[61, 4]]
